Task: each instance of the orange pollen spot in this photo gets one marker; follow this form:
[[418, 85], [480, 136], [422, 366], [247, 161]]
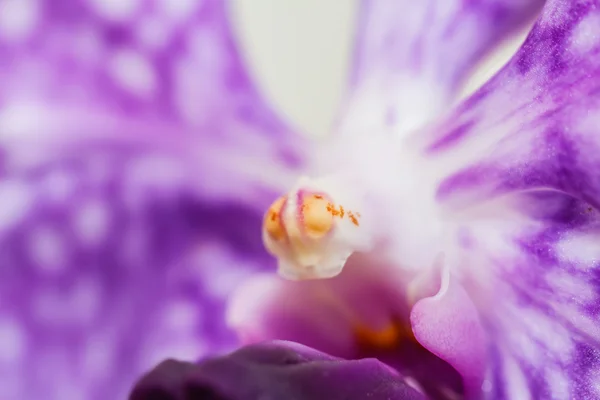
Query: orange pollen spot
[[353, 218], [341, 212], [272, 223], [332, 210], [383, 339]]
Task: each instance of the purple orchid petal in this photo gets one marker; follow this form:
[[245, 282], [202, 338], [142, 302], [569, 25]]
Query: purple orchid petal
[[533, 125], [518, 162], [411, 57], [276, 370], [134, 153], [529, 265]]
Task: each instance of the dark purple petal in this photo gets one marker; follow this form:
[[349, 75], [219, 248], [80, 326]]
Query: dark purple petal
[[411, 57], [129, 213], [275, 370]]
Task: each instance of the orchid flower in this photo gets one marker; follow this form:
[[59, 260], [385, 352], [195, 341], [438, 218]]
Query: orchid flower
[[424, 249]]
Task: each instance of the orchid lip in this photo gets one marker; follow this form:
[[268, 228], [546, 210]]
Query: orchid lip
[[315, 228]]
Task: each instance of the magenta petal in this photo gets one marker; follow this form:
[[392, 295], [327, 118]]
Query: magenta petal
[[341, 316], [411, 56], [448, 325], [322, 314]]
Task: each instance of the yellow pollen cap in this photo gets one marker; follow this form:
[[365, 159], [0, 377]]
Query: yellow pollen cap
[[316, 215]]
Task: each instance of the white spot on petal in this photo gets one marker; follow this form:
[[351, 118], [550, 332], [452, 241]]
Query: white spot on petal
[[18, 19], [178, 9], [116, 10], [92, 222], [582, 248], [199, 75], [153, 172], [16, 202], [181, 316], [12, 342], [16, 121], [134, 73], [152, 33], [586, 36]]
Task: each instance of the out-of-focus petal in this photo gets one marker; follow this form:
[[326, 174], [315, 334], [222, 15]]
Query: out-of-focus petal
[[517, 165], [129, 212], [411, 56], [275, 370], [106, 271], [138, 73], [149, 59]]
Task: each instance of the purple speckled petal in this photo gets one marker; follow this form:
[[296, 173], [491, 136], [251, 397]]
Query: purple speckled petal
[[274, 370], [518, 166], [411, 56], [529, 263], [534, 125], [134, 153]]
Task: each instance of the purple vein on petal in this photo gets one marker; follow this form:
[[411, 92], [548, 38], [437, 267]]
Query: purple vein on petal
[[533, 125], [411, 57], [517, 165]]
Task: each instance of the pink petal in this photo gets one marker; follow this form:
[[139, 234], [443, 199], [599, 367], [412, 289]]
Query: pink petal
[[448, 325]]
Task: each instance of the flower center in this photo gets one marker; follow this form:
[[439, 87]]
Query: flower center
[[372, 341], [313, 231]]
